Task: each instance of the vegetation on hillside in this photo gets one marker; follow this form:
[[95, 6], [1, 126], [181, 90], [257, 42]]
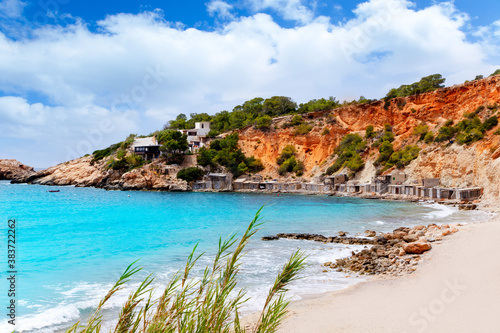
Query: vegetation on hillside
[[348, 154], [287, 162], [469, 130], [426, 84], [225, 152], [388, 157], [190, 174], [209, 303], [259, 112], [98, 155]]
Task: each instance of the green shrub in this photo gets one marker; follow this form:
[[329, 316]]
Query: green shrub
[[287, 166], [445, 133], [206, 156], [386, 150], [489, 124], [421, 130], [429, 138], [264, 122], [497, 72], [127, 163], [296, 120], [286, 153], [369, 132], [288, 163], [190, 174], [225, 152], [326, 131], [302, 129], [470, 136], [426, 84], [356, 163], [121, 154], [402, 158], [348, 154]]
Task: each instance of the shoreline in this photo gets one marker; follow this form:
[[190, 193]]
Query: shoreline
[[373, 196], [454, 289]]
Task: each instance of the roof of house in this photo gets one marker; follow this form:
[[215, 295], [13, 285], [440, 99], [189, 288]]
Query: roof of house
[[141, 142]]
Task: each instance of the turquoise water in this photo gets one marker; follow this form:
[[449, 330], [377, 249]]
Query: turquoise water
[[72, 245]]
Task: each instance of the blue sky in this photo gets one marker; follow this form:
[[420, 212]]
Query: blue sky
[[76, 76]]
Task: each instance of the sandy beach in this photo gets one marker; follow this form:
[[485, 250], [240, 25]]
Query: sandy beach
[[455, 289]]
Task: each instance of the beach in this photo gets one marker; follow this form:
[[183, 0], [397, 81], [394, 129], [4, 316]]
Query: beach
[[455, 289]]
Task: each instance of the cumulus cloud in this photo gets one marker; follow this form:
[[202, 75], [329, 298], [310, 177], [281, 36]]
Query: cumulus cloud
[[220, 8], [140, 70], [48, 135], [293, 10], [11, 8]]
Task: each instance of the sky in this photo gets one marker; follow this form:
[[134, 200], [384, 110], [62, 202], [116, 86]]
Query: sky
[[77, 76]]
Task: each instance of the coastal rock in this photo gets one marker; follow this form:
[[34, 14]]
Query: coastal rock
[[416, 248], [270, 238], [370, 233], [393, 256], [321, 238], [14, 170], [411, 238], [467, 207], [82, 172]]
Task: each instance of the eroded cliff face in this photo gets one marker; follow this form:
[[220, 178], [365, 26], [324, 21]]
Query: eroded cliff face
[[12, 169], [456, 165], [81, 172]]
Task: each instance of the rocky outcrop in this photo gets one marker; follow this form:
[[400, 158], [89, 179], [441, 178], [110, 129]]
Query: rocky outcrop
[[321, 238], [393, 253], [14, 170], [81, 172]]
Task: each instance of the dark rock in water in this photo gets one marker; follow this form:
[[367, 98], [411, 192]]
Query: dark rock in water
[[321, 238], [370, 233], [342, 233], [380, 240], [467, 207]]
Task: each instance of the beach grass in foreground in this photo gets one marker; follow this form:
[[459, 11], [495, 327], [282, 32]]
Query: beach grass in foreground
[[209, 304]]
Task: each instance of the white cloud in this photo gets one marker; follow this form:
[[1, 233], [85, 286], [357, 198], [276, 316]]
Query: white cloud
[[45, 135], [220, 8], [290, 9], [11, 8], [140, 71]]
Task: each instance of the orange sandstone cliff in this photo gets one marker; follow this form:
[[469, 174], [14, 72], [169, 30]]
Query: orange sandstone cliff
[[474, 165]]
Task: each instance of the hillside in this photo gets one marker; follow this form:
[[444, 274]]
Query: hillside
[[316, 135], [12, 170], [457, 165]]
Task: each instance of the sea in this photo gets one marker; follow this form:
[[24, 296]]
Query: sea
[[72, 245]]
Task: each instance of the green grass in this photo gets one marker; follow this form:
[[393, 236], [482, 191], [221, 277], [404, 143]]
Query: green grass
[[209, 304]]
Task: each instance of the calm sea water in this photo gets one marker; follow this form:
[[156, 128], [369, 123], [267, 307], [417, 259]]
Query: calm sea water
[[72, 245]]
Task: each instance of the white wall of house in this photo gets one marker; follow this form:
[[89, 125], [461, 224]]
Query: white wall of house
[[202, 127]]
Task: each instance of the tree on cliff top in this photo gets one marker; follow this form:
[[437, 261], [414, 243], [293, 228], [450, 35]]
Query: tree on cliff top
[[497, 72], [426, 84]]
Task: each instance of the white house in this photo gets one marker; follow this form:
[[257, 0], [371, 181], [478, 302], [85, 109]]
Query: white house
[[197, 137]]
